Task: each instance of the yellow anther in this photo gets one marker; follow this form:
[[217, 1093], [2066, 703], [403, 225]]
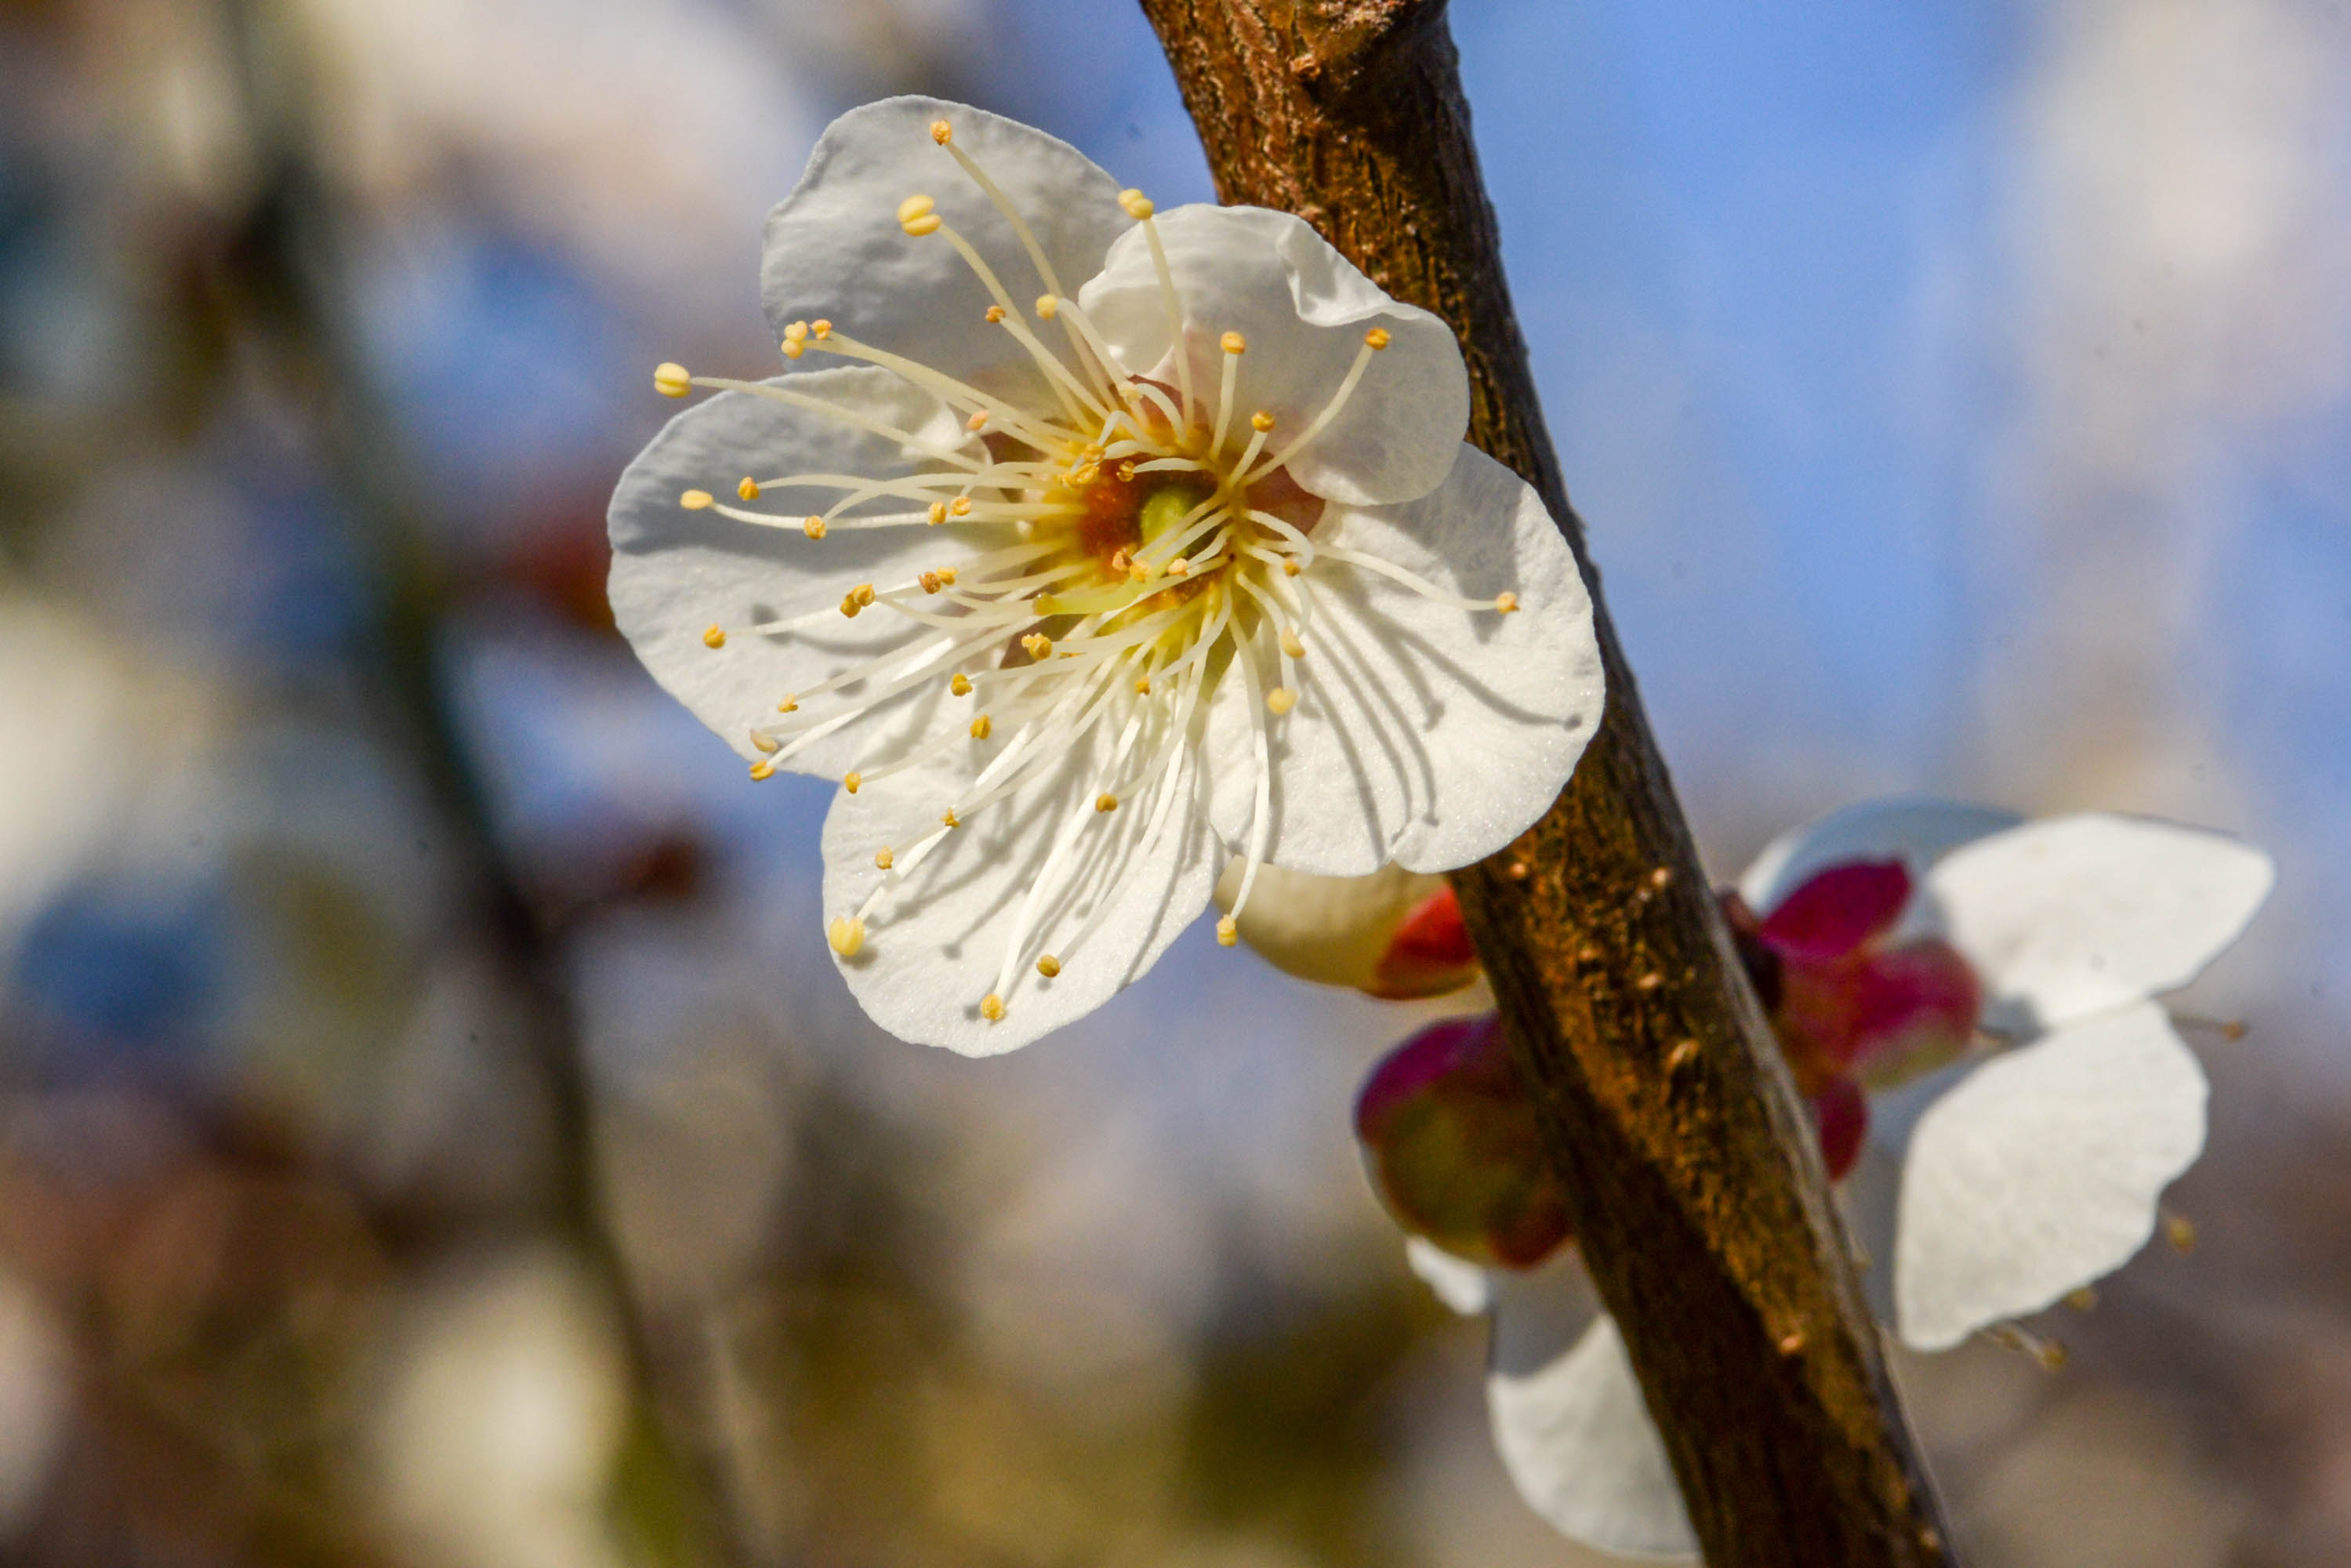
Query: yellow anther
[[881, 858], [981, 727], [812, 525], [820, 328], [930, 581], [978, 421], [996, 313], [961, 684], [850, 781], [1376, 338], [1083, 478], [1120, 560], [671, 379], [916, 217], [715, 637], [695, 500], [1506, 602], [1229, 931], [1143, 686], [1178, 567], [1232, 343], [796, 332], [847, 935], [791, 704], [947, 575], [764, 741], [1292, 646], [2180, 1232], [747, 487], [1126, 471], [1045, 306], [1105, 801], [938, 513], [1138, 205], [763, 768], [1289, 567], [991, 1008], [1281, 699], [948, 817], [1260, 421], [1037, 644], [1049, 966], [960, 506], [794, 347], [848, 605], [1138, 572], [2082, 1298], [863, 593], [941, 132]]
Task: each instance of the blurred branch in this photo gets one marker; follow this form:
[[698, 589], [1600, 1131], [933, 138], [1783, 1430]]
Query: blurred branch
[[1696, 1195], [286, 282]]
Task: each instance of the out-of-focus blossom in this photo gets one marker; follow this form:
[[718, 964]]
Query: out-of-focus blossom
[[2026, 1169], [502, 1421], [1199, 566]]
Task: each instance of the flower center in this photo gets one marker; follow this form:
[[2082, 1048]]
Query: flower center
[[1140, 539]]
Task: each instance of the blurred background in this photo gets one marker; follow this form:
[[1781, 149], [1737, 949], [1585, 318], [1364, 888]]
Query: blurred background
[[430, 1129]]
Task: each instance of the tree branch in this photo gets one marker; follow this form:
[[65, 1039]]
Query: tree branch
[[1696, 1193]]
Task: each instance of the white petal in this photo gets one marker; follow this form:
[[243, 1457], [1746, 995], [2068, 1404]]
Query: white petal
[[2068, 917], [1571, 1422], [1457, 1282], [937, 945], [1331, 929], [2040, 1172], [834, 249], [1424, 733], [1917, 831], [676, 572], [1302, 310]]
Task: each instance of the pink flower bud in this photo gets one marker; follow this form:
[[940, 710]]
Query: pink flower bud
[[1452, 1144]]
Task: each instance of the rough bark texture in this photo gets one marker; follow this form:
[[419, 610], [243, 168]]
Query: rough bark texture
[[1698, 1196]]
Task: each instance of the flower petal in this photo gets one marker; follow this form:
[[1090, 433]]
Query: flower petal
[[2065, 918], [1424, 733], [1571, 1422], [834, 249], [1302, 310], [2040, 1172], [1332, 929], [1461, 1284], [1134, 878], [677, 571], [1835, 910], [1915, 831]]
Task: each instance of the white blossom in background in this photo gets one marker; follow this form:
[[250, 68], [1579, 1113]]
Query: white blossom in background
[[1986, 1189], [1091, 548]]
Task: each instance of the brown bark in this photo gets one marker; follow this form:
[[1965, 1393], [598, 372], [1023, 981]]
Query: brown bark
[[1697, 1197]]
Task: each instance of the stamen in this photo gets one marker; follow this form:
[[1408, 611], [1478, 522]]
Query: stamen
[[846, 934], [917, 218], [1049, 966], [1234, 345], [881, 858], [980, 727], [713, 638], [671, 379], [1373, 341], [1419, 585], [813, 526], [748, 488], [991, 1008], [698, 500], [2179, 1231], [848, 416]]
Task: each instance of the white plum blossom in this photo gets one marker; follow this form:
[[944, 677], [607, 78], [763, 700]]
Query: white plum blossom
[[1986, 1189], [1090, 547]]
